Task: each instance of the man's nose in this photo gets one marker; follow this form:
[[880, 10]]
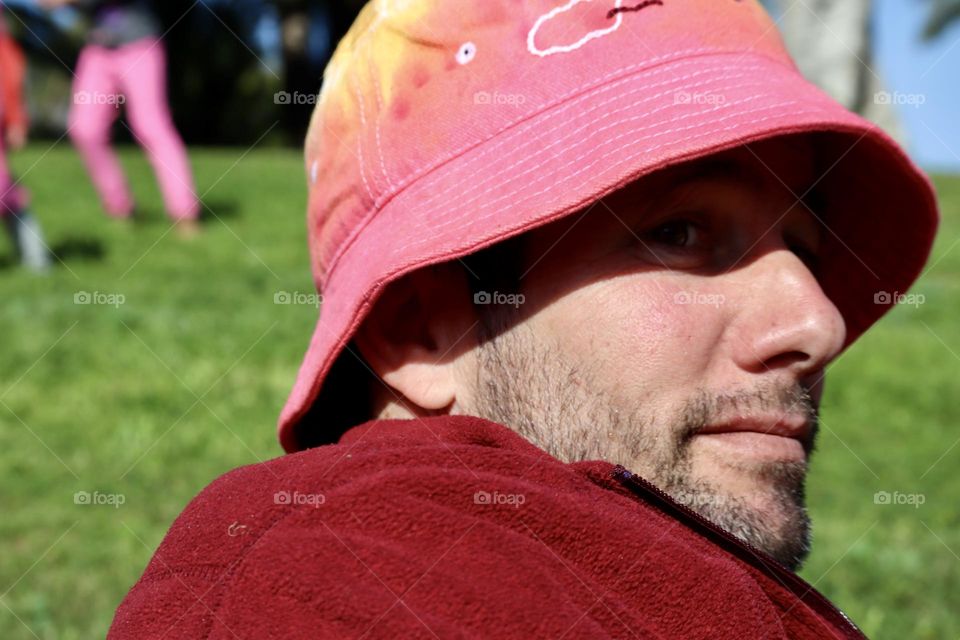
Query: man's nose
[[787, 321]]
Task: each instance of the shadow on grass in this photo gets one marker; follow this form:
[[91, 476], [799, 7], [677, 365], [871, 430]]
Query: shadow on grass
[[209, 211], [69, 250], [79, 249], [213, 209]]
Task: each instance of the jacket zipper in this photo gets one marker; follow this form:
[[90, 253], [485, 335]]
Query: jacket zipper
[[767, 564]]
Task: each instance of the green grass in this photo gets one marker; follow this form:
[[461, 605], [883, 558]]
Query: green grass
[[890, 417], [97, 398]]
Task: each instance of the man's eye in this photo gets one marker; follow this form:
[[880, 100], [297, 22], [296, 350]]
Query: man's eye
[[676, 233], [679, 243]]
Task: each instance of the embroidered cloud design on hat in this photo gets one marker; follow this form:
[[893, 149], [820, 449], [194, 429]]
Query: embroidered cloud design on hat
[[612, 11]]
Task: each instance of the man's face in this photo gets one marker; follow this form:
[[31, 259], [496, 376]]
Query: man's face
[[676, 327]]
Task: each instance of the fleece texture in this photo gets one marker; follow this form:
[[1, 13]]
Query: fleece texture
[[456, 527]]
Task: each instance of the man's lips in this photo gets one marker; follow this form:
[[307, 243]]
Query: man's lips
[[795, 426], [787, 425]]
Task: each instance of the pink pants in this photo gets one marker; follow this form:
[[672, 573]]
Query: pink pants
[[134, 75]]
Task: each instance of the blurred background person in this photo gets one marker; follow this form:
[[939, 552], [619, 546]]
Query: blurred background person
[[124, 64], [22, 226]]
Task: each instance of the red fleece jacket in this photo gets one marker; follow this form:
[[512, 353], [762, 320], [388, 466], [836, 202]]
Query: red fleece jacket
[[455, 527]]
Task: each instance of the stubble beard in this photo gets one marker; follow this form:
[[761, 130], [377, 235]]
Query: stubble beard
[[560, 408]]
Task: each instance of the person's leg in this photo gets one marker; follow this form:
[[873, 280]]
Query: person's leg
[[22, 226], [143, 77], [27, 236], [91, 117]]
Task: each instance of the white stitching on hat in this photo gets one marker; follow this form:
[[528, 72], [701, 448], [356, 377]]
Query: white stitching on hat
[[597, 33], [497, 144], [363, 126], [742, 71], [382, 13], [572, 103], [376, 121], [513, 178], [534, 142], [631, 156], [586, 91]]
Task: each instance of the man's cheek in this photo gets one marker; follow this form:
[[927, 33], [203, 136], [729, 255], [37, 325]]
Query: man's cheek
[[673, 325]]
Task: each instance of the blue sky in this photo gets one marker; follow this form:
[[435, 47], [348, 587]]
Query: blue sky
[[932, 70]]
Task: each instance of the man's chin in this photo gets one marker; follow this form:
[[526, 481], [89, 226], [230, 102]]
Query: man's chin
[[764, 509]]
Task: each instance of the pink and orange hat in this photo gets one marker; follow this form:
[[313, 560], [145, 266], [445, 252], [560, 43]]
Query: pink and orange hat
[[445, 126]]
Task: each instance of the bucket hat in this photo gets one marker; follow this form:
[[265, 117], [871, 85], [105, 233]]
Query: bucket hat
[[445, 126]]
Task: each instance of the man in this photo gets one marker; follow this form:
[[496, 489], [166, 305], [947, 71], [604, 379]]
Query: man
[[583, 268]]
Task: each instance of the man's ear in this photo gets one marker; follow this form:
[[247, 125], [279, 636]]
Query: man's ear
[[417, 330]]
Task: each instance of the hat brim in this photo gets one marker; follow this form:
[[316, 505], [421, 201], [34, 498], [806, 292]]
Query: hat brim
[[880, 228]]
